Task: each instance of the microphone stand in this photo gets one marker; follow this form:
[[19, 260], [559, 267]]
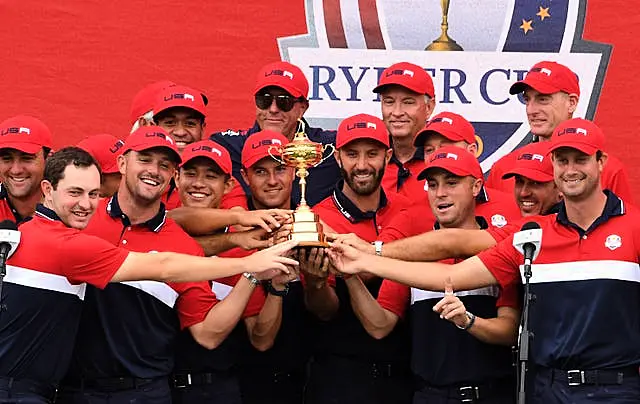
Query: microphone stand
[[526, 335], [3, 272]]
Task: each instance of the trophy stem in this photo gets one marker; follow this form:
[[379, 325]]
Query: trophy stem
[[302, 173], [444, 42]]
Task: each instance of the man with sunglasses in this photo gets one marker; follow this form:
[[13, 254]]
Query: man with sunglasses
[[281, 101]]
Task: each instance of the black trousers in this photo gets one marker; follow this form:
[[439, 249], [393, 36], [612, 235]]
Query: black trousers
[[548, 388], [472, 393], [25, 391], [337, 380], [270, 386], [154, 391], [222, 389]]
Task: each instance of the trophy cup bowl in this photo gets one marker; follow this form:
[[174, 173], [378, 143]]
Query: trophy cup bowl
[[302, 154]]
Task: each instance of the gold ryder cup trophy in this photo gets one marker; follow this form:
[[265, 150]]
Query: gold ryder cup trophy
[[302, 154], [444, 42]]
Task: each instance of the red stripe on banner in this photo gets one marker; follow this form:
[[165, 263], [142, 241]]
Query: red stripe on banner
[[333, 24], [371, 24]]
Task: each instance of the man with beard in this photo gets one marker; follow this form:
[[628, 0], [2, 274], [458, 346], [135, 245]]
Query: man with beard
[[350, 366], [25, 143], [584, 279], [535, 191], [551, 92], [475, 363], [125, 343], [281, 100], [407, 100], [105, 149]]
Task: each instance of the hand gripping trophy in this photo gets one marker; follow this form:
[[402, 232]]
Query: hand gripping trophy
[[302, 154]]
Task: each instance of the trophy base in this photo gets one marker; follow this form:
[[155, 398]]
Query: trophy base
[[307, 229], [444, 44]]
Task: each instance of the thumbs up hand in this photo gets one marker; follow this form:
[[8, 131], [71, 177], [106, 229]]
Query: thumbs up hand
[[451, 308]]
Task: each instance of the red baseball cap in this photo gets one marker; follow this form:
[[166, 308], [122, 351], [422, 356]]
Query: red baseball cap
[[579, 134], [105, 149], [533, 162], [147, 137], [25, 133], [452, 126], [407, 75], [258, 145], [548, 78], [456, 160], [362, 126], [284, 75], [145, 99], [179, 96], [211, 150]]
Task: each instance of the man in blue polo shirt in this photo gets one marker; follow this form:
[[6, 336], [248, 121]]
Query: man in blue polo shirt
[[281, 100], [585, 280]]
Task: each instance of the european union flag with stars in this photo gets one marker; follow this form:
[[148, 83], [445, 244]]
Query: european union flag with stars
[[536, 26]]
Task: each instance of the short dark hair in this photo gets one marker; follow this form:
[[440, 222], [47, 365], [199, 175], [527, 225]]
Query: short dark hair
[[58, 162], [168, 111], [599, 155]]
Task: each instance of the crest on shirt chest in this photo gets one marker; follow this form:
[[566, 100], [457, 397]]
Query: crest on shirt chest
[[613, 242], [349, 43]]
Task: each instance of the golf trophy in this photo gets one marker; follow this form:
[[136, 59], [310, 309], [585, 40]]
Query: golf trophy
[[302, 154]]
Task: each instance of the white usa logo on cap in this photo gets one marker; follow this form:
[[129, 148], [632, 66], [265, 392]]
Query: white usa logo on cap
[[613, 242]]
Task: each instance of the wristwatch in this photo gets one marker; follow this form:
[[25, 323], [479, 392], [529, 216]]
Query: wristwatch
[[378, 246], [252, 278], [472, 319], [274, 291]]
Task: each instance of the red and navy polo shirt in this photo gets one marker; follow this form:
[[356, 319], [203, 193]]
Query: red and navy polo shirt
[[191, 357], [129, 328], [43, 293], [7, 211], [389, 222], [497, 207], [586, 283], [442, 355], [402, 178], [614, 176], [343, 216]]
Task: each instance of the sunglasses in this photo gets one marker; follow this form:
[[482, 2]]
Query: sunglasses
[[284, 102]]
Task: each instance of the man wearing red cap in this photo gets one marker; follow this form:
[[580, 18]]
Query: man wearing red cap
[[44, 285], [535, 191], [25, 143], [407, 99], [181, 111], [470, 358], [105, 149], [350, 366], [281, 100], [113, 354], [202, 375], [447, 128], [551, 92], [585, 280], [143, 102], [274, 373]]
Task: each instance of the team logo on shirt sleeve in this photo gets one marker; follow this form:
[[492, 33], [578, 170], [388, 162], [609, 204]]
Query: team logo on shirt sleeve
[[348, 44], [613, 241]]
